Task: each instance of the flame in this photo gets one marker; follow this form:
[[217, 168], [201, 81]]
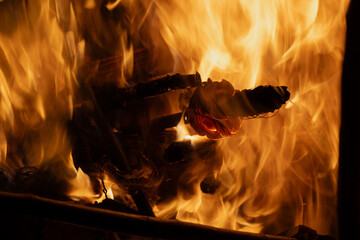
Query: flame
[[81, 188], [109, 51], [183, 132], [39, 55], [34, 80], [279, 168], [273, 174]]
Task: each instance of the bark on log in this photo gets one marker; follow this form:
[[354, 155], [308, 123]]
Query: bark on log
[[115, 98]]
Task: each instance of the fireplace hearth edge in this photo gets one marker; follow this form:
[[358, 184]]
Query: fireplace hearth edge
[[134, 226]]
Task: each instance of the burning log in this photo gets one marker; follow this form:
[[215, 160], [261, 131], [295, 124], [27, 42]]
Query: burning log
[[216, 108], [261, 100], [119, 97], [116, 152]]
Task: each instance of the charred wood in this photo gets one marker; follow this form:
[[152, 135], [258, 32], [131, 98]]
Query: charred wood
[[261, 100], [121, 178], [161, 123], [209, 184], [302, 232], [113, 205], [141, 201], [115, 151], [216, 108], [114, 148], [113, 98], [220, 99], [178, 151]]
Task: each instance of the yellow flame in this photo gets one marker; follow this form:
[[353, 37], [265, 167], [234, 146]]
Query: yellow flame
[[279, 168], [274, 174], [81, 188], [34, 77], [183, 133], [38, 64]]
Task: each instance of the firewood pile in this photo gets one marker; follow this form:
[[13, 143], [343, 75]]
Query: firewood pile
[[147, 167], [141, 163]]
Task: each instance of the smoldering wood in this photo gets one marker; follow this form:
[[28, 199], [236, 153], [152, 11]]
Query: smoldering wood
[[129, 224], [113, 98]]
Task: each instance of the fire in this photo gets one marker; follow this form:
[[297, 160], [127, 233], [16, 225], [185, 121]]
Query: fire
[[184, 132], [38, 64], [81, 188], [273, 174], [278, 166]]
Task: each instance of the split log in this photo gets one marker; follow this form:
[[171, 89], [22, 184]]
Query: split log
[[254, 102], [116, 98], [216, 109]]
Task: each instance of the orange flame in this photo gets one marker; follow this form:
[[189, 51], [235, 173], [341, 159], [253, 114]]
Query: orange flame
[[275, 173], [39, 55], [279, 168]]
